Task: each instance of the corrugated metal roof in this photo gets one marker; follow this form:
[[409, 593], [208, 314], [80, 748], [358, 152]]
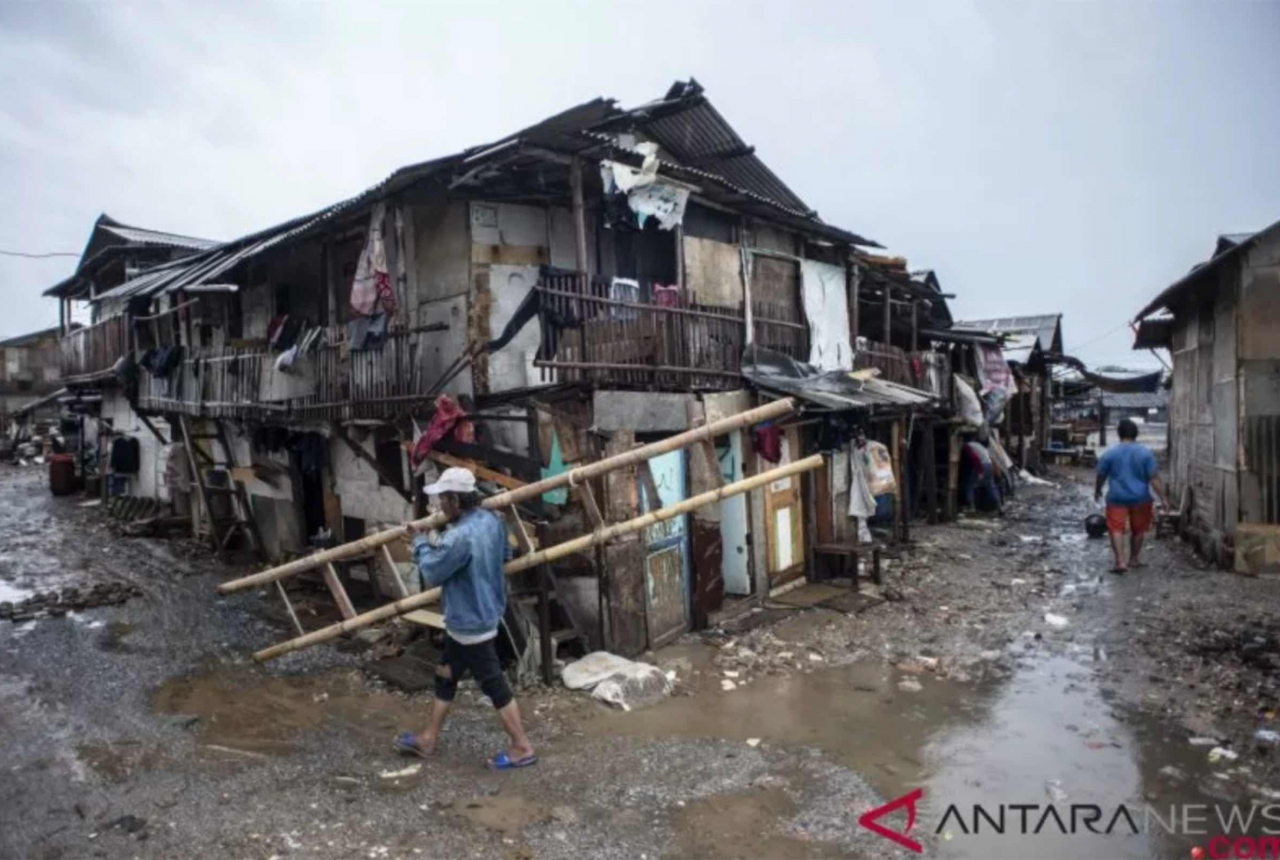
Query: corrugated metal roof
[[1167, 295], [684, 123], [838, 390], [143, 236], [1136, 400], [1045, 327]]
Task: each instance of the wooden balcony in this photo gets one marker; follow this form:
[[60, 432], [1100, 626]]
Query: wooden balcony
[[682, 345], [331, 383], [94, 349]]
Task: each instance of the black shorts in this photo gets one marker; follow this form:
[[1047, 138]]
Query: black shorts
[[481, 660]]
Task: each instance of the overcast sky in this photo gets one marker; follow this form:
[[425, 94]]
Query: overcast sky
[[1072, 157]]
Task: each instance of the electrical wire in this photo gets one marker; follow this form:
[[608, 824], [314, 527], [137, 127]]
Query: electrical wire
[[31, 256]]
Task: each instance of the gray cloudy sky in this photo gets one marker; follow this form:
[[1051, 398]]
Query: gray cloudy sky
[[1041, 156]]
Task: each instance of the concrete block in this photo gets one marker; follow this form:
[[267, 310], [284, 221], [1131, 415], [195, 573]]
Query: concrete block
[[641, 411]]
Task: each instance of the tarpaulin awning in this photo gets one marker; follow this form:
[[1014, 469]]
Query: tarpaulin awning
[[836, 390]]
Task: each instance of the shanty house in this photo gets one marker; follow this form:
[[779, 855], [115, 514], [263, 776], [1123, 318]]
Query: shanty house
[[1031, 344], [588, 283], [1221, 324]]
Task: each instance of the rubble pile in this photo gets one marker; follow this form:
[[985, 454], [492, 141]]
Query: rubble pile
[[52, 604]]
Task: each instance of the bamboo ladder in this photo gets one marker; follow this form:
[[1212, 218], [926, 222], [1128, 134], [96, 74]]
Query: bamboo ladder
[[413, 606]]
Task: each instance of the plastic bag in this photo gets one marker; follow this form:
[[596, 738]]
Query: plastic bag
[[967, 402], [878, 469]]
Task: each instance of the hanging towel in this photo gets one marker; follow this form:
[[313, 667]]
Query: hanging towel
[[372, 283], [768, 442]]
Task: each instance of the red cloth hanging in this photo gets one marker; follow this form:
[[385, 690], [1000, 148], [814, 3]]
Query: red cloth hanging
[[447, 414]]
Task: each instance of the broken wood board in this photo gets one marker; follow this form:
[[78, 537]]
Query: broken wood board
[[481, 472], [426, 618]]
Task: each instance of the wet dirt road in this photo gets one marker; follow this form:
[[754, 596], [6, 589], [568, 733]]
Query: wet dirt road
[[145, 730]]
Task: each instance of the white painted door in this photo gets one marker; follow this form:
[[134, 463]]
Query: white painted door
[[733, 520]]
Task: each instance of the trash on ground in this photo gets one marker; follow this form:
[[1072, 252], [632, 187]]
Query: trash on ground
[[1219, 753], [910, 685], [1055, 620], [1267, 736], [1203, 742], [617, 680], [728, 685], [753, 742], [1053, 788], [1028, 478], [411, 770]]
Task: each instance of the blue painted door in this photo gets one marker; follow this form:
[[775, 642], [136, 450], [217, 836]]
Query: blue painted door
[[667, 578]]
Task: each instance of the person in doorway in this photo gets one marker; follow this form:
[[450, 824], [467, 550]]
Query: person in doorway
[[979, 482], [466, 562], [1129, 472]]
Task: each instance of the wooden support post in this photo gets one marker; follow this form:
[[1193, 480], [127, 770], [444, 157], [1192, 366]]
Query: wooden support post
[[930, 469], [543, 556], [853, 276], [645, 475], [288, 606], [888, 315], [546, 646], [915, 325], [953, 471], [147, 421], [769, 411], [522, 533], [330, 285], [744, 262], [900, 493], [339, 593], [579, 216]]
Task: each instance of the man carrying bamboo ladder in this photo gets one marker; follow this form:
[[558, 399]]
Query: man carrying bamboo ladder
[[466, 563]]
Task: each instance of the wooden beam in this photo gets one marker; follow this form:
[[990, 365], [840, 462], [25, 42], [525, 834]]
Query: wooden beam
[[479, 471], [769, 411], [589, 504], [547, 556], [288, 606], [152, 428], [360, 452], [394, 570], [579, 215]]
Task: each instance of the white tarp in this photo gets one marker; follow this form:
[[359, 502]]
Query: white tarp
[[617, 680], [826, 305], [648, 195]]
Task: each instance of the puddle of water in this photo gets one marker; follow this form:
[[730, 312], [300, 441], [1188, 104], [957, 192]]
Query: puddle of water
[[10, 593], [244, 710], [991, 743]]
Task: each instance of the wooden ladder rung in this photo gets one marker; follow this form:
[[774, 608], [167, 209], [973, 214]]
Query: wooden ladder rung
[[339, 593]]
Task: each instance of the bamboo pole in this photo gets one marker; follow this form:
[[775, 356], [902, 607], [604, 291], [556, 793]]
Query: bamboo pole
[[545, 556], [776, 409]]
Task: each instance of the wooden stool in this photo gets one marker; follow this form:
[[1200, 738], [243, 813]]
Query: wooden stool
[[843, 554]]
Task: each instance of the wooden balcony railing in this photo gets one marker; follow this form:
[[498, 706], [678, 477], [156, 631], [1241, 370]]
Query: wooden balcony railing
[[589, 335], [332, 383], [94, 348]]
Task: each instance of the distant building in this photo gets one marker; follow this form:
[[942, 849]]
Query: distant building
[[28, 369]]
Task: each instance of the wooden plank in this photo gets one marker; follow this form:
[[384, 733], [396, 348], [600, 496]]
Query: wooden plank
[[479, 471], [198, 474], [426, 618], [645, 475], [339, 593], [522, 533]]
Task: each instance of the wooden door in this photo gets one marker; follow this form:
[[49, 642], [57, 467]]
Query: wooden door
[[667, 552], [784, 517]]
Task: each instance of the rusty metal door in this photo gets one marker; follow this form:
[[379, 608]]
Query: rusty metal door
[[666, 563], [784, 526]]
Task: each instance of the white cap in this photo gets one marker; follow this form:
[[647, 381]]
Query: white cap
[[453, 480]]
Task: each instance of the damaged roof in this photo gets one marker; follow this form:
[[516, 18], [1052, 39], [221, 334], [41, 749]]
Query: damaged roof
[[109, 238], [1043, 330], [699, 144], [836, 390], [1229, 245]]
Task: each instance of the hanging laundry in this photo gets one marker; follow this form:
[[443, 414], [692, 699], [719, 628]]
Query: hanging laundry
[[366, 333], [273, 328], [768, 442], [666, 296], [372, 283], [447, 414], [284, 361]]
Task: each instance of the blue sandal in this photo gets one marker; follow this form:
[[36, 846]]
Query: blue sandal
[[407, 743], [502, 761]]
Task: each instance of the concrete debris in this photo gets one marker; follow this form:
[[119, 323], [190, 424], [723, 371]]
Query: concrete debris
[[1055, 620], [44, 604], [411, 770], [910, 685]]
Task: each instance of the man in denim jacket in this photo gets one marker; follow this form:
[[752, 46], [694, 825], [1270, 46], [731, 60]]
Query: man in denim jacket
[[466, 563]]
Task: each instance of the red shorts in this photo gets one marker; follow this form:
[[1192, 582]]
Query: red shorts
[[1137, 516]]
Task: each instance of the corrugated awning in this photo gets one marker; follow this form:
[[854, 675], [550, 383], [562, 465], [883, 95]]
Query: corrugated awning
[[836, 390]]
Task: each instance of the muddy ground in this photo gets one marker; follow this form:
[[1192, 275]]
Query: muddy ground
[[144, 729]]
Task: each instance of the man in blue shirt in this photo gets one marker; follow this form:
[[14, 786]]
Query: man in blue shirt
[[1130, 473], [466, 563]]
